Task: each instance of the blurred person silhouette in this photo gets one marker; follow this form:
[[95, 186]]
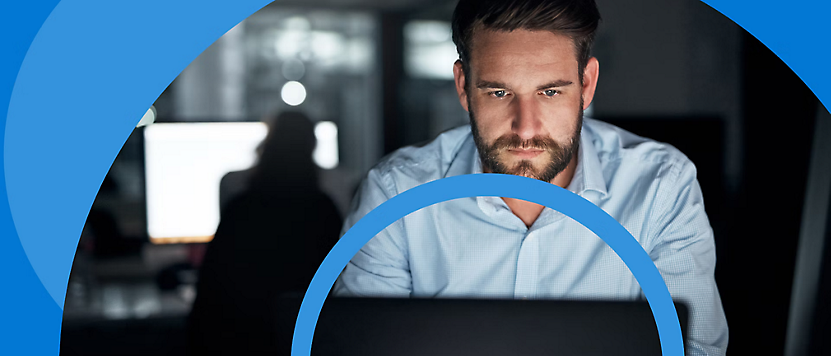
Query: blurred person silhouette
[[270, 241], [235, 183]]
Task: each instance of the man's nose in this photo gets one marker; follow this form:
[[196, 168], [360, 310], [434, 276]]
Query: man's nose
[[527, 119]]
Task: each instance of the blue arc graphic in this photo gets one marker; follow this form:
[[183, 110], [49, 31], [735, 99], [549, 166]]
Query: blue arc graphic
[[552, 196]]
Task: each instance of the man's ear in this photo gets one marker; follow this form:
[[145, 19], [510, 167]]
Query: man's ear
[[590, 75], [459, 78]]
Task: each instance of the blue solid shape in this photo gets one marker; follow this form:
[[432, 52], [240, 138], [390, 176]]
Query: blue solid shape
[[90, 74], [796, 31], [27, 312], [498, 185]]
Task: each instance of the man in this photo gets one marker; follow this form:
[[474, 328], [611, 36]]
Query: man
[[525, 76]]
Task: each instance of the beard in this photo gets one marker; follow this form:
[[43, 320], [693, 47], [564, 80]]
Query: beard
[[558, 155]]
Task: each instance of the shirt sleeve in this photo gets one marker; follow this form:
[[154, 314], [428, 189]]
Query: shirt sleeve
[[683, 249], [381, 267]]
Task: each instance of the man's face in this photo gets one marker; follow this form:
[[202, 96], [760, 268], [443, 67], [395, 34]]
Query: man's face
[[525, 100]]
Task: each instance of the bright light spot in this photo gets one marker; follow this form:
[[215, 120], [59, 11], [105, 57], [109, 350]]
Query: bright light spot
[[325, 154], [359, 54], [298, 23], [148, 118], [327, 45], [293, 93], [293, 69], [427, 31], [429, 51], [289, 43]]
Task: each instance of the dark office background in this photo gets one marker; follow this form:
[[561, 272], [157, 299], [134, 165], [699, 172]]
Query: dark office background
[[673, 70]]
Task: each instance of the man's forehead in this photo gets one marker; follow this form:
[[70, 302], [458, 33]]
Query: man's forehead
[[551, 56], [522, 43]]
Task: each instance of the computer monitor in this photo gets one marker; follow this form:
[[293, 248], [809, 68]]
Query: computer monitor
[[184, 163]]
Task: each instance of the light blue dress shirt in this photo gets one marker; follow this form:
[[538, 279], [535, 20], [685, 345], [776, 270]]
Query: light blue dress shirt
[[476, 247]]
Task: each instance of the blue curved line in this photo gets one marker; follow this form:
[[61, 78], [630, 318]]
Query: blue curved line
[[552, 196]]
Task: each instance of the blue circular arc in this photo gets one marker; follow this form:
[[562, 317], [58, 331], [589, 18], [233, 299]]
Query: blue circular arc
[[552, 196]]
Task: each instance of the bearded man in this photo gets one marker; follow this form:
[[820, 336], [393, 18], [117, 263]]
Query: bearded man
[[525, 75]]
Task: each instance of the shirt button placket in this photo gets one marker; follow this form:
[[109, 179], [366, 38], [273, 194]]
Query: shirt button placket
[[525, 285]]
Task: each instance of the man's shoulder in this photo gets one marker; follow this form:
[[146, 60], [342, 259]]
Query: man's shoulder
[[424, 162], [615, 145]]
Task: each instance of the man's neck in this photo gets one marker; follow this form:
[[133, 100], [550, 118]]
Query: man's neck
[[529, 212]]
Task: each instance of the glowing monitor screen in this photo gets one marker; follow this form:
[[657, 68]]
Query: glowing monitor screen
[[184, 163]]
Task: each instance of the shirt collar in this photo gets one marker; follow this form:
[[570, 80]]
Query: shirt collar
[[588, 175]]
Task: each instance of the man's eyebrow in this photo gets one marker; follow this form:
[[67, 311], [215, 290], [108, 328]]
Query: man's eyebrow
[[488, 85], [555, 84]]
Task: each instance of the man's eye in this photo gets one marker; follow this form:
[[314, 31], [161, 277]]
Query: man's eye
[[499, 93], [550, 92]]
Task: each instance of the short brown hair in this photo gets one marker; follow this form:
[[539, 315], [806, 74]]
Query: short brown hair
[[577, 19]]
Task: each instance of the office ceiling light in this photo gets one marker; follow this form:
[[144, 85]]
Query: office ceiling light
[[293, 93], [325, 154]]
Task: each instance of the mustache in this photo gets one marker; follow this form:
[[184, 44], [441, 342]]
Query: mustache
[[513, 141]]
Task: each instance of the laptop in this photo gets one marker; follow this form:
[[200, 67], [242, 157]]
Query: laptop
[[486, 327]]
